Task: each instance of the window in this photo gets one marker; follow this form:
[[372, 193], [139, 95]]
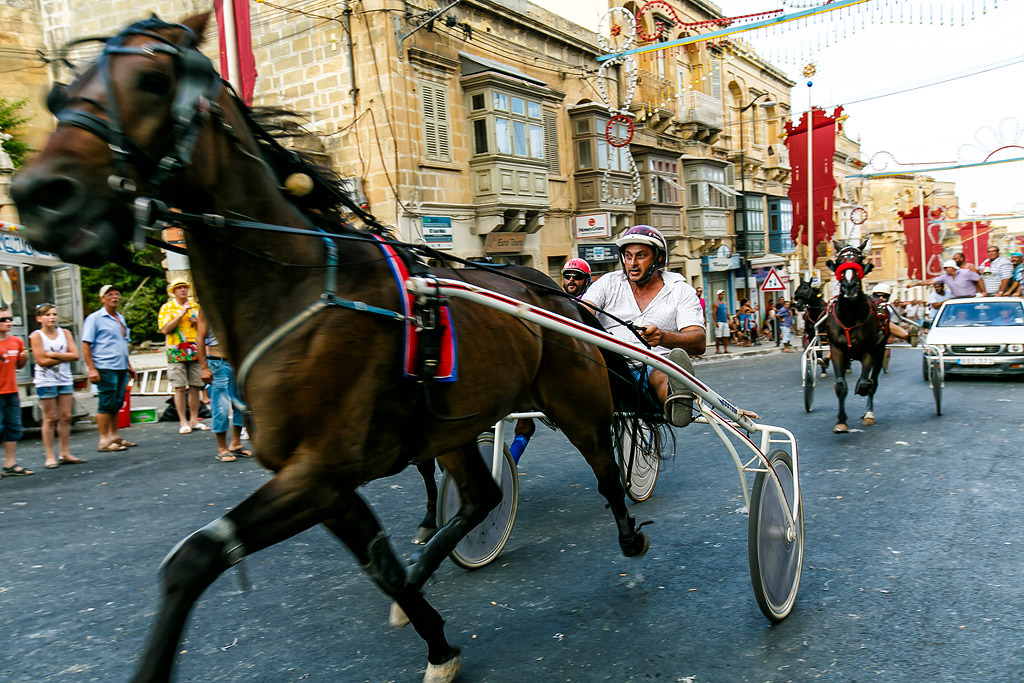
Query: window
[[518, 126], [780, 223], [436, 130], [551, 142], [707, 188]]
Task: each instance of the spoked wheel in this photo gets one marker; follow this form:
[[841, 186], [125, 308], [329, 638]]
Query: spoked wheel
[[486, 540], [936, 380], [641, 458], [776, 556], [924, 368], [810, 377]]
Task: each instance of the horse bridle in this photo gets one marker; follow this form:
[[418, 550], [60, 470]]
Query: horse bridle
[[193, 103]]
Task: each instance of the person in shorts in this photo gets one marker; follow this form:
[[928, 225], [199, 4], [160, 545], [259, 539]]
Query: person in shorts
[[179, 323], [13, 357], [105, 337], [53, 349]]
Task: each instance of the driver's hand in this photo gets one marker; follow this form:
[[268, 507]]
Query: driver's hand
[[651, 335]]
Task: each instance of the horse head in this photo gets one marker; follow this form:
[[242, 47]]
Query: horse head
[[136, 124], [850, 268]]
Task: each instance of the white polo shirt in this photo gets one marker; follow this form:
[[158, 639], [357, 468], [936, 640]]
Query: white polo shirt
[[675, 307]]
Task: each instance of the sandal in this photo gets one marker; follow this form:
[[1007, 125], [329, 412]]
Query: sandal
[[73, 461], [126, 443], [52, 465], [17, 470], [112, 447], [225, 457], [185, 430], [241, 452], [199, 426]]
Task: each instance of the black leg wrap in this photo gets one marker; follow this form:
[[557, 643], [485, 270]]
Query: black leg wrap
[[429, 558], [384, 567]]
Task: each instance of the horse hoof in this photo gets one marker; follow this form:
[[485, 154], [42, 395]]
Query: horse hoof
[[868, 420], [637, 547], [840, 429], [423, 534], [397, 617], [443, 673]]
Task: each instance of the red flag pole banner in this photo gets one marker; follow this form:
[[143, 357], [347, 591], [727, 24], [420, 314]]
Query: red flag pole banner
[[974, 238], [235, 42], [823, 150], [930, 235]]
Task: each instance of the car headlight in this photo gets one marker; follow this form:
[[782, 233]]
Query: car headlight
[[1014, 348]]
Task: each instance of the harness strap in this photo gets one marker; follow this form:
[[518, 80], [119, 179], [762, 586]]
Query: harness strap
[[872, 311]]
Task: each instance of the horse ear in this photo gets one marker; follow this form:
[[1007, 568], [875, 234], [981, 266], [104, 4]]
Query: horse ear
[[831, 265], [836, 247], [198, 25], [863, 246], [868, 267]]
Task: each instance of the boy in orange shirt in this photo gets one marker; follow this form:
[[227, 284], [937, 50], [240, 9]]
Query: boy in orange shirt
[[13, 356]]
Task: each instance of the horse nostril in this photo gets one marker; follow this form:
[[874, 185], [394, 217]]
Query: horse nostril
[[60, 195]]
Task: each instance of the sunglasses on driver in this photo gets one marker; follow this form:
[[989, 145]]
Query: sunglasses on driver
[[574, 276]]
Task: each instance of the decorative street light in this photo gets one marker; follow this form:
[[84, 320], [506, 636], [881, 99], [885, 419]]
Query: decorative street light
[[744, 252]]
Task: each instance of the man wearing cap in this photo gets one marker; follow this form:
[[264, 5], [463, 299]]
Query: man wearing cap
[[996, 272], [960, 282], [1016, 287], [178, 321], [105, 337]]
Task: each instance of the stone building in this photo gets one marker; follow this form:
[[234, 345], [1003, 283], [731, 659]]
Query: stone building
[[485, 129]]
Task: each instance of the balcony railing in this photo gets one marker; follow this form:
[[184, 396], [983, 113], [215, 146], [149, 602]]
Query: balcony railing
[[696, 107]]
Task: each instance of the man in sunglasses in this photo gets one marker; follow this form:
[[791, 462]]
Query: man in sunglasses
[[576, 277], [575, 282], [882, 293]]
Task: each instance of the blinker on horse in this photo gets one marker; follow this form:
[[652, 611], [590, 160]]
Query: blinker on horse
[[311, 307], [856, 331]]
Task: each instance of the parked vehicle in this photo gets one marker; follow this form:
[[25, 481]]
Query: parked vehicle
[[28, 278], [977, 336]]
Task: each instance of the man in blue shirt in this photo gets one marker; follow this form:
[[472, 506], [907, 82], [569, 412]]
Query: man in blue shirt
[[105, 338], [785, 317]]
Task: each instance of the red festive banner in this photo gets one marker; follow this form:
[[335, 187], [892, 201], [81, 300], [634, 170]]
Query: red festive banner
[[930, 251], [243, 41], [974, 237], [823, 149]]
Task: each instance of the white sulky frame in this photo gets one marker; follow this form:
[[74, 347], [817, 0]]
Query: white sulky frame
[[723, 417]]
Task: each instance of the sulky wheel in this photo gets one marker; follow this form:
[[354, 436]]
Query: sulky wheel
[[810, 377], [936, 380], [486, 540], [641, 457], [776, 555]]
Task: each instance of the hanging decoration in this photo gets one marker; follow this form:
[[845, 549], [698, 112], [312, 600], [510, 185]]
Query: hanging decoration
[[974, 239], [617, 31], [823, 150], [989, 141], [924, 244]]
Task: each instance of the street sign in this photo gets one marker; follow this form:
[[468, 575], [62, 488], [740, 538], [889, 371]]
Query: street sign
[[773, 283]]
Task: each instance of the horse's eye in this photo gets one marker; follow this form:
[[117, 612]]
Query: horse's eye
[[155, 82]]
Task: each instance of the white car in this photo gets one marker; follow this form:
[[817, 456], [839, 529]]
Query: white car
[[983, 335]]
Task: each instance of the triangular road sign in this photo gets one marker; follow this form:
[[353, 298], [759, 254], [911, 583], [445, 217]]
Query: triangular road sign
[[773, 283]]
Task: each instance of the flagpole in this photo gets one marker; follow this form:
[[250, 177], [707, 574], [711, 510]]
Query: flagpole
[[231, 45], [810, 179], [920, 195]]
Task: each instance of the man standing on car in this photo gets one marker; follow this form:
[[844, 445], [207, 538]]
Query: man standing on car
[[997, 272]]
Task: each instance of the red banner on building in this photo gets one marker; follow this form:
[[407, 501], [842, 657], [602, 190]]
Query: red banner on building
[[823, 149], [974, 238], [243, 39], [923, 243]]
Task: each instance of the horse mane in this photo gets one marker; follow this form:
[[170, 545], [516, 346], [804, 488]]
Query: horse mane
[[327, 205]]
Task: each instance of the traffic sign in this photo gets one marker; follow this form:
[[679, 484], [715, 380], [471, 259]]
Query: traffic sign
[[773, 283]]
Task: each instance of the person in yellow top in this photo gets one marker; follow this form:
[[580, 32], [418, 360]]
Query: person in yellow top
[[178, 321]]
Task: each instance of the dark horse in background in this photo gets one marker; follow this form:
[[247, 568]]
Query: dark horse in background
[[857, 330], [808, 299], [309, 304]]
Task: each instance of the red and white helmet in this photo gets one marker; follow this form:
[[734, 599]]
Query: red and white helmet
[[577, 264], [645, 234]]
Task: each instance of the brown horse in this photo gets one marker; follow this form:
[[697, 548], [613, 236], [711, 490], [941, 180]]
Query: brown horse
[[856, 331], [307, 308]]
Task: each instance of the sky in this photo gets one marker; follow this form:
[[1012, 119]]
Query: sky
[[961, 120]]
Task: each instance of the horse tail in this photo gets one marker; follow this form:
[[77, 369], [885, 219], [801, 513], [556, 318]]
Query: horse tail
[[637, 409]]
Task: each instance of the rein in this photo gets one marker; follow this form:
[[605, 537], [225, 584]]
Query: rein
[[831, 310]]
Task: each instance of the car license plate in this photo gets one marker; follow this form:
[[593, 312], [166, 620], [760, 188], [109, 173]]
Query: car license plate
[[977, 361]]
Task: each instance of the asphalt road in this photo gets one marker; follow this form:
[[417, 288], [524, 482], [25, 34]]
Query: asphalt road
[[912, 568]]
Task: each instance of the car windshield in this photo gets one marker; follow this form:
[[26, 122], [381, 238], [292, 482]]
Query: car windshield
[[981, 314]]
